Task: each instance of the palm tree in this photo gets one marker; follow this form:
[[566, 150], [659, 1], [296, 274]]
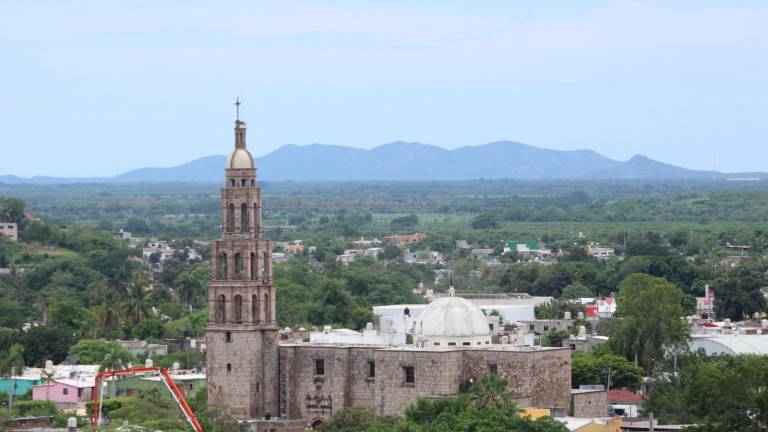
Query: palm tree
[[490, 390], [136, 307], [188, 286]]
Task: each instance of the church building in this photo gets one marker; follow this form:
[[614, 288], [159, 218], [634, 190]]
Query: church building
[[279, 383]]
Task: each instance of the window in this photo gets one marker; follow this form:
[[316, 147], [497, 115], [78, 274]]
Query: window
[[479, 343], [573, 347], [267, 309], [221, 266], [228, 337], [253, 266], [243, 182], [239, 309], [436, 343], [409, 374], [466, 343], [231, 182], [546, 328], [253, 182], [255, 308], [65, 391], [79, 392], [231, 218], [490, 327], [244, 217], [371, 369], [319, 367], [220, 315], [238, 266], [407, 312], [493, 368], [229, 367], [258, 387], [451, 343], [531, 327]]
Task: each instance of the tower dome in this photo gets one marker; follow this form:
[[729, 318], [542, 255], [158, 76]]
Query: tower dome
[[240, 158], [453, 321]]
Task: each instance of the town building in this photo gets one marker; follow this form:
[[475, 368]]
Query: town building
[[404, 240], [9, 231], [257, 376]]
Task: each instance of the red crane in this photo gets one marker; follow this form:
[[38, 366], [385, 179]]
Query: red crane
[[164, 377]]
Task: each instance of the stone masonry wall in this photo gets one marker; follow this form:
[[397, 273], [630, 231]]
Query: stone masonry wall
[[590, 404]]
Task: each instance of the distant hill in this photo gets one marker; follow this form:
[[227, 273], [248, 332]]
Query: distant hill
[[413, 161]]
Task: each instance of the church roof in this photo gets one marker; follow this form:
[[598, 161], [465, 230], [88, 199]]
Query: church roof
[[452, 317]]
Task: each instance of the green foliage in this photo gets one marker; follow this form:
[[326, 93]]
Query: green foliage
[[738, 296], [404, 222], [98, 351], [71, 316], [12, 313], [12, 210], [485, 221], [554, 338], [651, 314], [576, 290], [720, 393], [12, 360], [43, 343], [35, 408], [149, 329], [593, 368], [556, 309]]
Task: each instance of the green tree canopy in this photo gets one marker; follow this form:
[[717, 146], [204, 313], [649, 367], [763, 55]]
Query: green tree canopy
[[650, 309]]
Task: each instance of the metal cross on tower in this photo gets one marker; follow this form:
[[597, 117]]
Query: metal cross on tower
[[237, 104]]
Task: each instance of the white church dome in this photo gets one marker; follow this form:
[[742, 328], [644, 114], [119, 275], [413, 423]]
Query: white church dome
[[452, 317], [240, 158]]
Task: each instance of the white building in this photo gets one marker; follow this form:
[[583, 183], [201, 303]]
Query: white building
[[730, 344], [368, 336]]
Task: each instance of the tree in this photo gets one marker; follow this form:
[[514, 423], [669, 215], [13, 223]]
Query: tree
[[405, 222], [12, 360], [723, 393], [554, 338], [70, 315], [99, 351], [593, 368], [12, 210], [11, 313], [137, 225], [43, 343], [149, 328], [136, 306], [485, 221], [739, 295], [576, 290], [490, 390], [651, 314]]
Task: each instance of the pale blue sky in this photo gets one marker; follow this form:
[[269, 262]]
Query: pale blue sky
[[93, 88]]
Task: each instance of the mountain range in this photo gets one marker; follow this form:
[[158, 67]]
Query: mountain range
[[412, 161]]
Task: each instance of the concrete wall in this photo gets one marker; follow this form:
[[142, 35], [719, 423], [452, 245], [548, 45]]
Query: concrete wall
[[589, 404]]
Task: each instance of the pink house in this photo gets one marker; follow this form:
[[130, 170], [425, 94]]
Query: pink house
[[66, 393]]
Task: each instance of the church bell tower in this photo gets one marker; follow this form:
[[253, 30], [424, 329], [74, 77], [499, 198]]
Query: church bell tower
[[242, 334]]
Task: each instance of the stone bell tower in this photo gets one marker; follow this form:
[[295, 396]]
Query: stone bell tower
[[242, 334]]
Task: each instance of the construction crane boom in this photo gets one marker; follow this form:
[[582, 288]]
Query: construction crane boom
[[165, 377]]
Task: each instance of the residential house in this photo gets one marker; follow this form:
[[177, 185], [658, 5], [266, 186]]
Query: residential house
[[625, 403], [404, 240], [9, 231], [67, 393], [601, 252]]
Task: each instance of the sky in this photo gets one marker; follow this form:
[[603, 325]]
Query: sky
[[96, 88]]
